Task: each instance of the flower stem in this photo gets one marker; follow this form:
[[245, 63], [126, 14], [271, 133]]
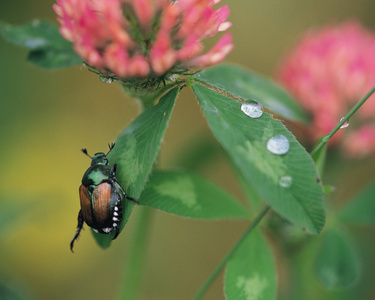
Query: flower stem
[[221, 265], [326, 138], [134, 263]]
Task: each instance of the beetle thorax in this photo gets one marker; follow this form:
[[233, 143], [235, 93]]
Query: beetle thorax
[[96, 175]]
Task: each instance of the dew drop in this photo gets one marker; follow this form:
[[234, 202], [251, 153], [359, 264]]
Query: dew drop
[[83, 66], [252, 108], [346, 124], [173, 77], [286, 181], [279, 144], [105, 79], [325, 138]]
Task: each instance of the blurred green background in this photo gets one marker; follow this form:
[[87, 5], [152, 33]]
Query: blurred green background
[[47, 117]]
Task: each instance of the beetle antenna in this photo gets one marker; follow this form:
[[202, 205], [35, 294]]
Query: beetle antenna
[[110, 146], [84, 150]]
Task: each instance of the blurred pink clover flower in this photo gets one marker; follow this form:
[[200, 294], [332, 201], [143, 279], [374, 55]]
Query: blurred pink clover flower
[[328, 72]]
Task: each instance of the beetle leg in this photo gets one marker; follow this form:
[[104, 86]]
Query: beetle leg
[[117, 214], [79, 228], [118, 185], [113, 170], [131, 199]]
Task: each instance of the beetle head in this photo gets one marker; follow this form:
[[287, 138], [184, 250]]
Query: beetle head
[[98, 159]]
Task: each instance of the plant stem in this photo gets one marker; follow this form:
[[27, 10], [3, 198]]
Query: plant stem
[[134, 263], [221, 265], [325, 139]]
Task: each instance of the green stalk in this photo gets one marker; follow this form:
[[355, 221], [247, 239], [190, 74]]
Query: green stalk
[[221, 265], [325, 139], [133, 267]]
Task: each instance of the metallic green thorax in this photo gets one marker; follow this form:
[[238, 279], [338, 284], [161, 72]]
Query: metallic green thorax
[[96, 175], [98, 172]]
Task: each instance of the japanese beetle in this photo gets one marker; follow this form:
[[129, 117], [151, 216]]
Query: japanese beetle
[[101, 197]]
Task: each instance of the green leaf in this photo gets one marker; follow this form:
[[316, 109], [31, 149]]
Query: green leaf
[[189, 195], [135, 152], [245, 140], [35, 35], [337, 264], [361, 208], [246, 84], [53, 58], [251, 272], [252, 196], [48, 49]]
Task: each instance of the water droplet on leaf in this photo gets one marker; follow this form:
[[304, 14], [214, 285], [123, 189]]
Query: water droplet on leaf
[[279, 144], [286, 181], [346, 124], [252, 108], [105, 79], [325, 138], [83, 66]]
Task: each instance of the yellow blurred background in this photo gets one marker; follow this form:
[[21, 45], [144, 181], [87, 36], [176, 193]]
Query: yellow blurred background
[[47, 117]]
